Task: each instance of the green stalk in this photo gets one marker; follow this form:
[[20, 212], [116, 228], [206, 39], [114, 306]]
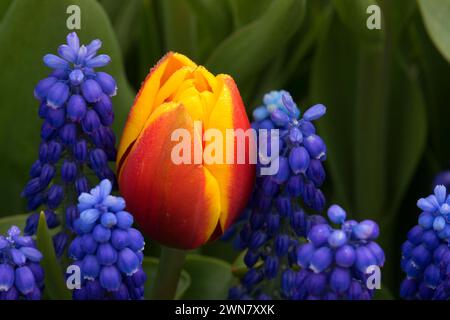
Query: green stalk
[[169, 270]]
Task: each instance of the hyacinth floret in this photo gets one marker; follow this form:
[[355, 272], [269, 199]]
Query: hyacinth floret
[[107, 248], [336, 262], [21, 275], [426, 252]]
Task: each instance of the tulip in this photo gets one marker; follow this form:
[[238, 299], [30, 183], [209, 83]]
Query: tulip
[[183, 205]]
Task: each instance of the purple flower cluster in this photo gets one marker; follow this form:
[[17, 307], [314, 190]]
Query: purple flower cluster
[[426, 253], [301, 150], [77, 112], [21, 276], [336, 263], [276, 221], [107, 249]]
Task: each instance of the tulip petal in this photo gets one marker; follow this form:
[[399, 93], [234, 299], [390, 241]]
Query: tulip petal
[[229, 113], [159, 192], [144, 103]]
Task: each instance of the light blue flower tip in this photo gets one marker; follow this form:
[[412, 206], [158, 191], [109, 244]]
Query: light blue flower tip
[[440, 192], [260, 113], [425, 205], [105, 187], [439, 223], [315, 112], [89, 216]]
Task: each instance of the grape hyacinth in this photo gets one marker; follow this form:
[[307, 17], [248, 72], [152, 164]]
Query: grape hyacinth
[[277, 221], [301, 152], [21, 276], [76, 137], [335, 262], [107, 249], [426, 253]]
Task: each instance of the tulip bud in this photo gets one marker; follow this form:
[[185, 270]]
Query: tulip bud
[[187, 204]]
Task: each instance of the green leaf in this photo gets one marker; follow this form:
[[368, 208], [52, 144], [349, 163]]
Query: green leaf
[[124, 22], [211, 278], [407, 129], [30, 30], [16, 220], [384, 293], [55, 285], [238, 268], [436, 16], [354, 15], [249, 49], [213, 24], [335, 55], [150, 266], [293, 61], [112, 8], [151, 46], [436, 73], [245, 12], [397, 15], [4, 5], [178, 27]]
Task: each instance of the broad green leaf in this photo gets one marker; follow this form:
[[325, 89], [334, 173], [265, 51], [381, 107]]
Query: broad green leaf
[[178, 27], [291, 63], [436, 72], [112, 7], [150, 266], [338, 95], [25, 39], [354, 15], [4, 5], [249, 49], [210, 278], [55, 285], [397, 15], [406, 129], [16, 220], [213, 21], [151, 46], [436, 16], [124, 21], [245, 12]]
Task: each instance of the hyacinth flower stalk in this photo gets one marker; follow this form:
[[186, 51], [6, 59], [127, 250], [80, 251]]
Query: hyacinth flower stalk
[[21, 275], [76, 137], [277, 219], [107, 248], [336, 263], [426, 252], [183, 201]]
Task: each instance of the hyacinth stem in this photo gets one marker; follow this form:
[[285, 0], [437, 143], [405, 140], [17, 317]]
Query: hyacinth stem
[[169, 271]]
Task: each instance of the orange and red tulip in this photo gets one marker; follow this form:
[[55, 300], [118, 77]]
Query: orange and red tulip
[[182, 205]]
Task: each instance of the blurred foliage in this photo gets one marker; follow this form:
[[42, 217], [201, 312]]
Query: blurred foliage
[[55, 284], [150, 266], [29, 30], [386, 90]]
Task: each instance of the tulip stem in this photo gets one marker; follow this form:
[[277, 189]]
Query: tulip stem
[[169, 270]]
